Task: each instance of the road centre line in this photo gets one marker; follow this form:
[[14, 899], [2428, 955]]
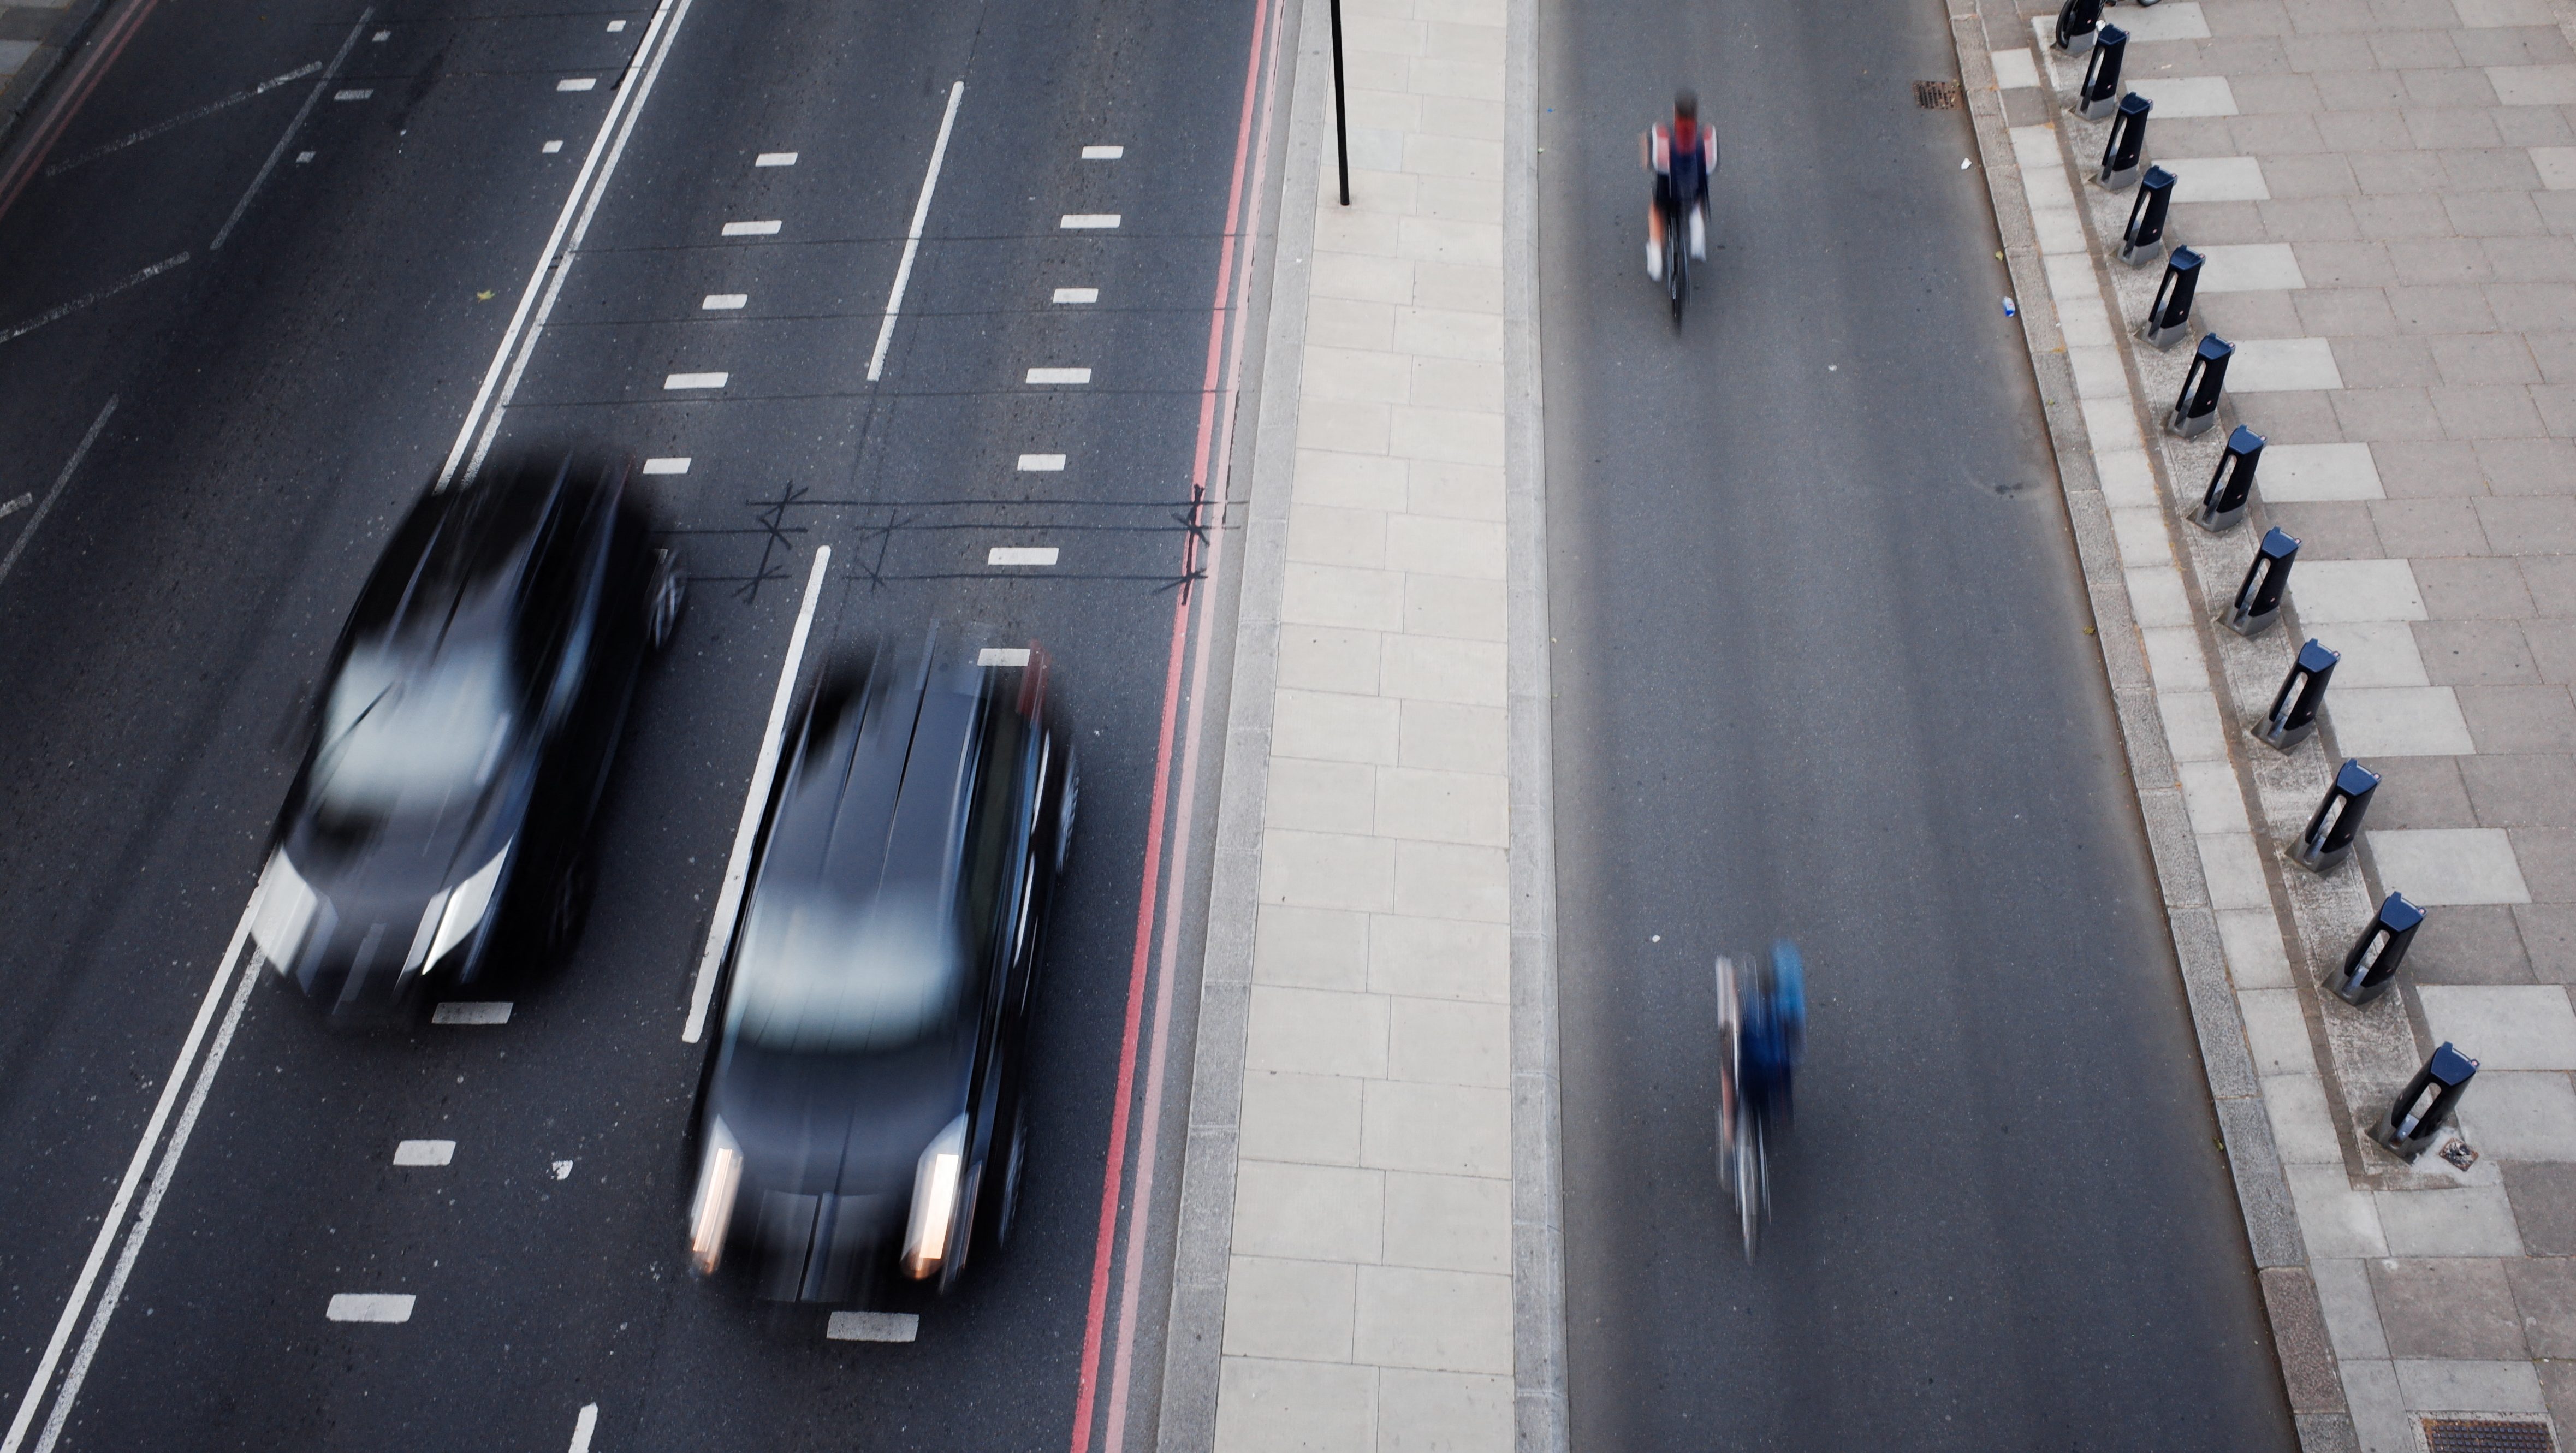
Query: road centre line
[[577, 83], [554, 260], [94, 295], [912, 239], [353, 93], [873, 1327], [675, 465], [1059, 375], [1088, 221], [1020, 555], [471, 1011], [751, 229], [370, 1307], [1077, 295], [764, 770], [284, 138], [775, 158], [1103, 153], [1041, 463], [183, 118], [425, 1152], [586, 1421], [717, 302], [72, 466], [681, 381]]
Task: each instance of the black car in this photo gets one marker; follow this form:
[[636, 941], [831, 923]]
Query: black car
[[462, 736], [863, 1107]]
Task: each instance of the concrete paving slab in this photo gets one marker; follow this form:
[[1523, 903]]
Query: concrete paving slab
[[2178, 97], [2520, 1115], [2449, 1386], [2375, 653], [2327, 591], [2316, 473], [2504, 1026], [2398, 721], [2217, 179], [2434, 866], [2249, 267], [2473, 1221], [2282, 365]]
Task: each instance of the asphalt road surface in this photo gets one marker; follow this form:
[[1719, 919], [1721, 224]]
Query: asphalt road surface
[[1823, 669], [363, 199]]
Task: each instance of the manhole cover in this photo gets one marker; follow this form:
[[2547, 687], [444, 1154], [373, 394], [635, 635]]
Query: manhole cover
[[1937, 95], [2479, 1435]]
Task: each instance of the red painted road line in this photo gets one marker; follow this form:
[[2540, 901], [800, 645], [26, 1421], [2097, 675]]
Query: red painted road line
[[1114, 1173], [87, 69]]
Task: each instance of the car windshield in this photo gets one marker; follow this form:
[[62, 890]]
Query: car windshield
[[406, 733], [817, 974]]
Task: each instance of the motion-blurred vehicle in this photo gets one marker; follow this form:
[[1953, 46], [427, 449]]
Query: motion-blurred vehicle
[[864, 1103], [463, 735]]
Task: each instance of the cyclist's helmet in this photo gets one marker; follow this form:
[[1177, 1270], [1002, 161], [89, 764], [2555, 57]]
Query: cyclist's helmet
[[1686, 104]]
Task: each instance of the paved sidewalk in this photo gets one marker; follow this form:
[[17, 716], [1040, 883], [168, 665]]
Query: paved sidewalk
[[2386, 196], [27, 26]]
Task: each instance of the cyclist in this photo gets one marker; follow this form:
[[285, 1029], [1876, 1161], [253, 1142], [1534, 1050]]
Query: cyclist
[[1683, 156], [1774, 1033]]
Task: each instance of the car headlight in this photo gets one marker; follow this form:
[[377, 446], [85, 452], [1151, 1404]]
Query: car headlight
[[281, 910], [935, 1179], [719, 1182], [467, 902]]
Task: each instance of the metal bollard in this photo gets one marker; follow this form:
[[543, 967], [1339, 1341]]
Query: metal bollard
[[2294, 707], [2337, 824], [2169, 320], [2143, 240], [2372, 965], [2122, 154], [2231, 486], [2076, 22], [2196, 406], [2257, 606], [2099, 96], [2407, 1132]]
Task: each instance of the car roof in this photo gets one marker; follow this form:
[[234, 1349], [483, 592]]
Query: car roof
[[478, 540]]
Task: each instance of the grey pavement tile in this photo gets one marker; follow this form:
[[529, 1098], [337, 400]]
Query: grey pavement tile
[[2544, 1206], [2352, 131], [2553, 649], [2509, 719], [2407, 173], [2445, 309], [2520, 790], [2420, 792], [2533, 307], [2249, 17], [2491, 169], [2530, 524], [2468, 944], [2200, 223], [2256, 315], [2515, 1115], [2333, 531], [2554, 354], [2557, 406], [2266, 136], [2533, 126], [2558, 1391], [2451, 86], [2551, 580], [2527, 466], [2420, 469], [2494, 214], [2454, 1384], [2512, 45], [2549, 940], [2446, 1307], [2544, 1291], [2531, 259], [2557, 210], [2548, 860], [2472, 589], [2320, 51], [2312, 176], [2242, 56], [2501, 412], [2476, 653], [2341, 312], [2300, 418], [2361, 89], [2436, 127], [2385, 415], [2408, 49], [2385, 361], [2469, 359], [2442, 261], [2352, 1317], [2311, 219], [2412, 528], [2198, 136], [2363, 264]]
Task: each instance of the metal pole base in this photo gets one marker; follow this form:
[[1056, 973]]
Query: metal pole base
[[2353, 989], [2216, 522], [2118, 181], [2251, 623], [2076, 44], [2141, 256], [2094, 110], [2163, 338], [2404, 1142], [2190, 426], [2282, 739], [2319, 863]]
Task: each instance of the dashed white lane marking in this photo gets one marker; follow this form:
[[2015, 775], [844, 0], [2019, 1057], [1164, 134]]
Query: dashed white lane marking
[[912, 240], [97, 295], [768, 228], [371, 1307], [277, 153], [1088, 221], [1020, 555], [576, 83], [1077, 295], [680, 381], [587, 1422], [11, 507], [775, 158], [551, 147], [354, 93], [1041, 463], [615, 26], [471, 1011], [425, 1152], [1103, 153], [562, 1170], [183, 118], [873, 1327], [678, 465], [302, 157], [764, 770], [63, 480], [1059, 375], [382, 36], [1002, 656], [716, 302]]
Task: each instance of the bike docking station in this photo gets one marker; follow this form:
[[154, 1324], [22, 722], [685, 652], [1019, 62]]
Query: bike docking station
[[2231, 485], [2196, 405], [2099, 96], [2337, 824], [2126, 149], [2294, 707], [2409, 1131], [2372, 965], [2143, 240], [2257, 606], [2077, 21], [2168, 319]]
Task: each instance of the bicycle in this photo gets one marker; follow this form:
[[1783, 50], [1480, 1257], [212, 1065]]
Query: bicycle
[[1743, 1151]]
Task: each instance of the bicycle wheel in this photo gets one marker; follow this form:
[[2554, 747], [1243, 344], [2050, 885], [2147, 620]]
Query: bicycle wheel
[[1751, 1194], [1678, 268]]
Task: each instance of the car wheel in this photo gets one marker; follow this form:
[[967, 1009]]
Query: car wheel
[[665, 600], [568, 910]]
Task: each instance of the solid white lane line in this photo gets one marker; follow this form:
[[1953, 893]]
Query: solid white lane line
[[301, 112], [912, 241], [1020, 555], [1002, 656], [354, 93], [873, 1327], [115, 1218], [1059, 375], [1080, 221], [775, 158], [551, 147], [587, 1422], [577, 83], [764, 770], [27, 531], [679, 381], [471, 1011], [751, 229], [209, 109], [679, 465], [371, 1307], [719, 301], [425, 1152], [1041, 463], [95, 295], [1103, 153], [553, 264], [68, 1395], [1077, 295]]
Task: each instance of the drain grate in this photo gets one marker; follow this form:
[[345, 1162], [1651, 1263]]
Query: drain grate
[[1937, 95], [2479, 1435]]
